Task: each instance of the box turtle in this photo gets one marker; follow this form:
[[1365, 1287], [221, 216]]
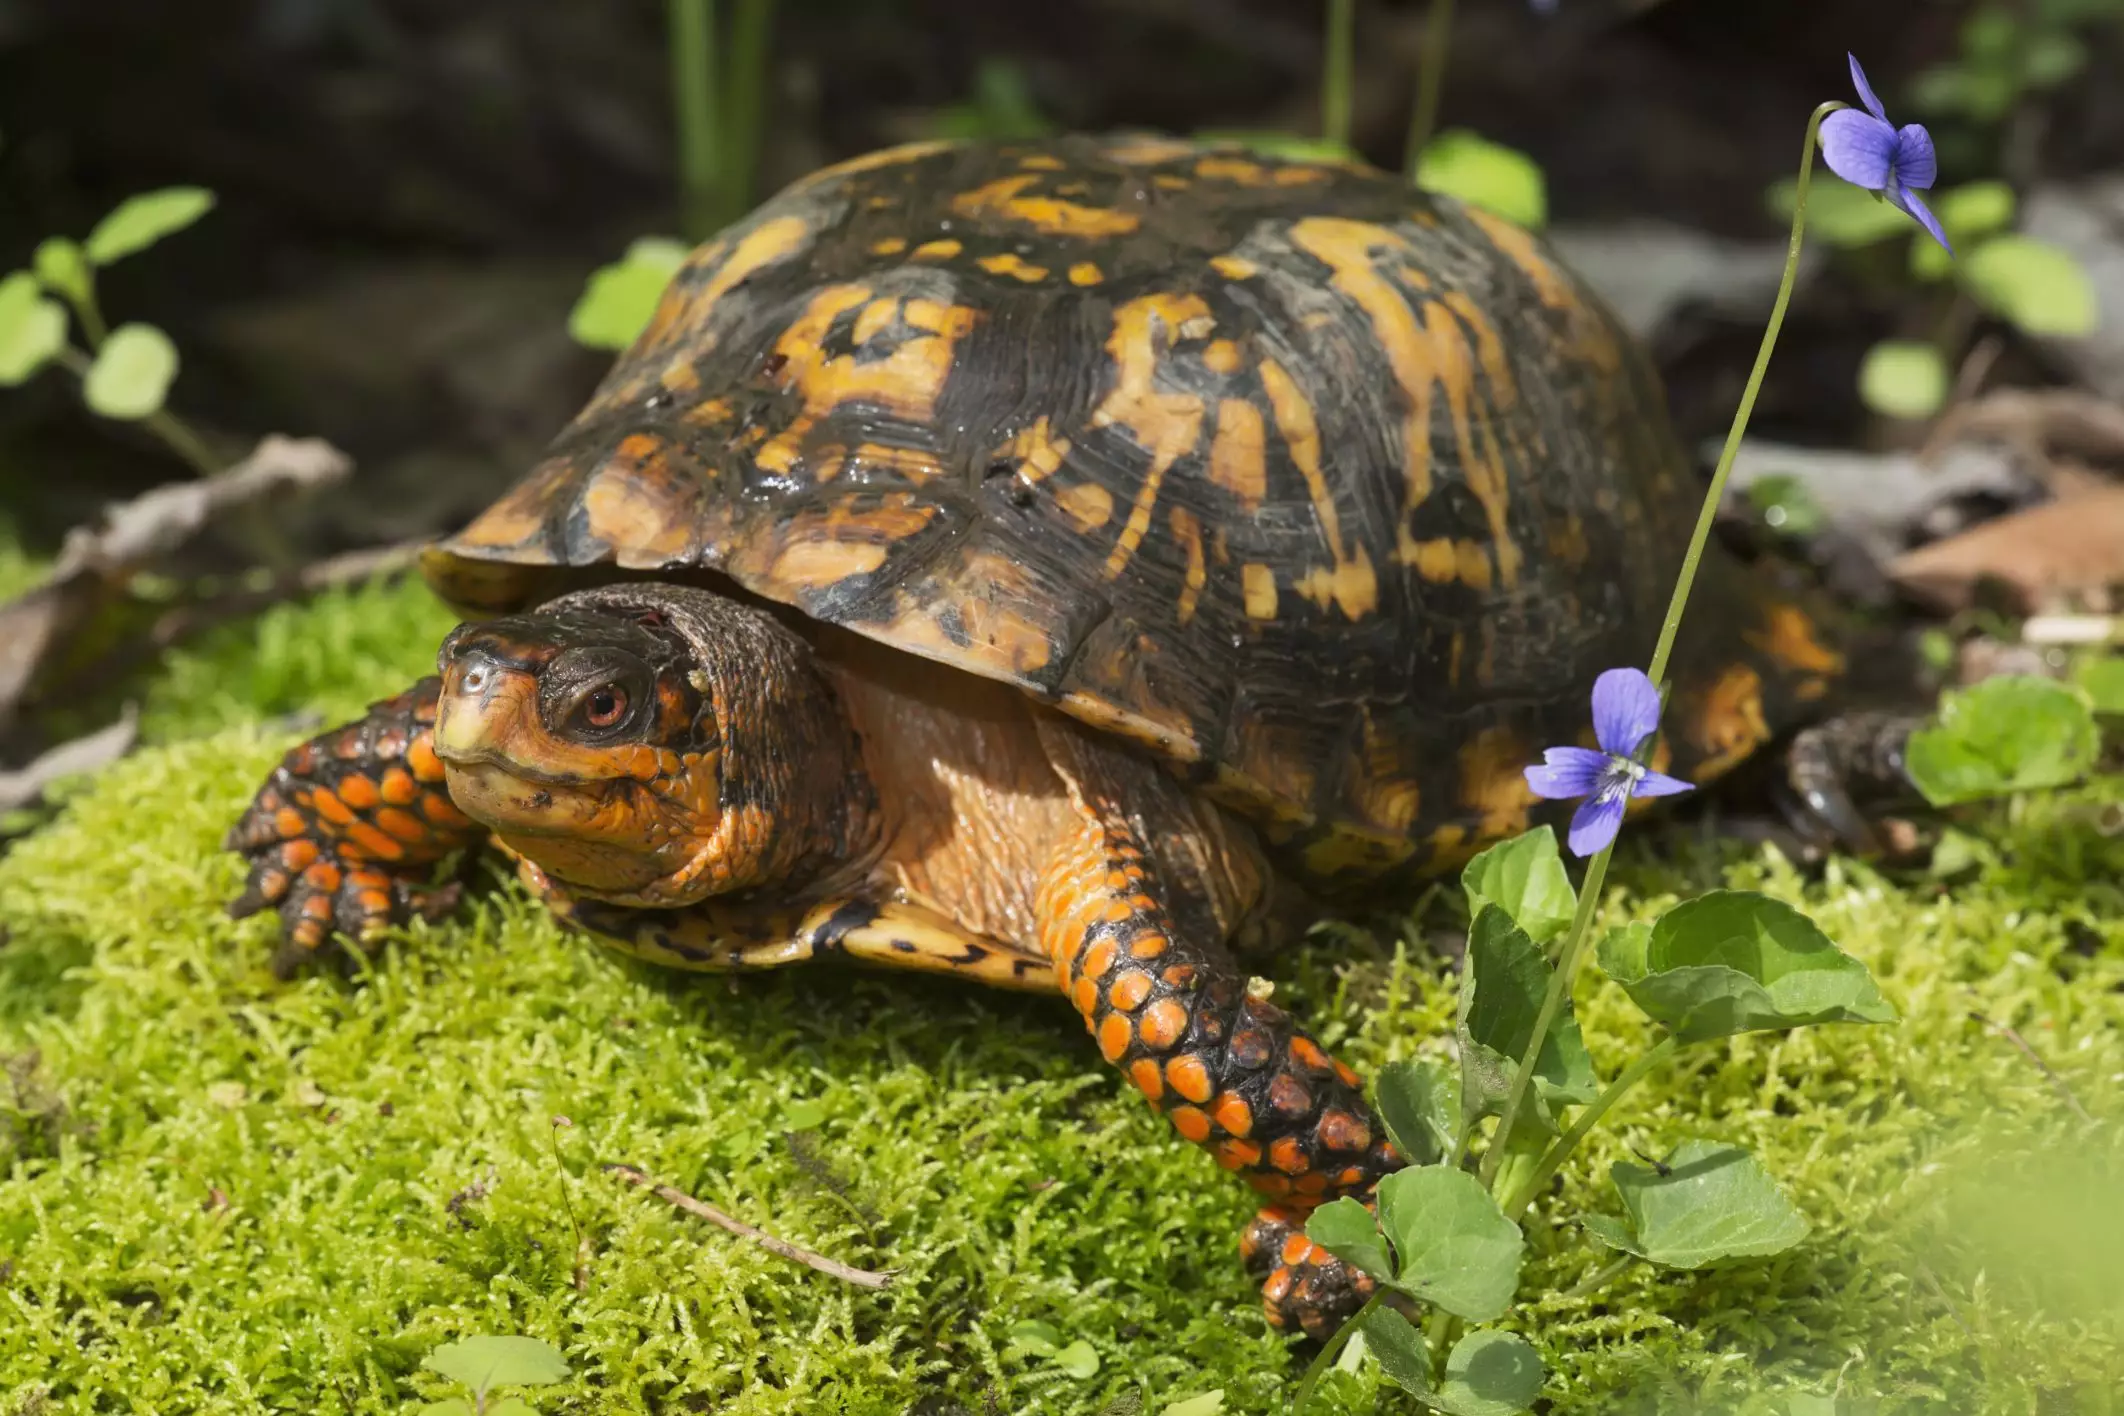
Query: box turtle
[[1047, 563]]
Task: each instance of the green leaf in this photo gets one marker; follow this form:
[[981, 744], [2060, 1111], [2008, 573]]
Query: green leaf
[[2013, 733], [1974, 209], [1839, 213], [1421, 1107], [132, 373], [1491, 1373], [484, 1362], [1208, 1403], [139, 222], [1079, 1360], [32, 328], [511, 1406], [2036, 285], [1525, 877], [1903, 378], [2052, 57], [1785, 504], [1399, 1349], [455, 1406], [617, 304], [1710, 1205], [1734, 961], [1500, 180], [64, 269], [1957, 851], [1038, 1338], [1456, 1249], [1502, 986], [1346, 1229], [2101, 678], [805, 1115]]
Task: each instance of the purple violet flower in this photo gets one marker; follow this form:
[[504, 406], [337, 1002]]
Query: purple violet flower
[[1868, 151], [1625, 713]]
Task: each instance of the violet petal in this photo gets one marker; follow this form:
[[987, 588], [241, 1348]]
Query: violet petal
[[1567, 773], [1865, 90], [1659, 784], [1859, 149], [1594, 825], [1625, 710], [1915, 161]]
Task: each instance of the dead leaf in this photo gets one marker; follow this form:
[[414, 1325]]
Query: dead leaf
[[2058, 550]]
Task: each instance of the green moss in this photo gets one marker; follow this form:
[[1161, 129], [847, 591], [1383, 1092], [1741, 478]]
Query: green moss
[[219, 1193]]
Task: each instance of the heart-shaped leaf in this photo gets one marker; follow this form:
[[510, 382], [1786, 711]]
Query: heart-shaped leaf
[[1502, 985], [485, 1362], [1490, 1373], [32, 328], [1079, 1360], [1420, 1104], [1709, 1205], [2013, 733], [139, 222], [132, 373], [1399, 1349], [1525, 877], [1453, 1246], [1734, 961], [2036, 285], [1208, 1403], [617, 304], [1032, 1335], [2101, 678], [1346, 1229], [1484, 174]]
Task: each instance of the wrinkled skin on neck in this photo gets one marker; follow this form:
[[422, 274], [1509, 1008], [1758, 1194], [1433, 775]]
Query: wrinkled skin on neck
[[651, 745]]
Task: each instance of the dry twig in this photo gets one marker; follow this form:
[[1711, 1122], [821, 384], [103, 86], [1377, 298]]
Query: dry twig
[[97, 561], [2030, 1053], [88, 753], [862, 1278]]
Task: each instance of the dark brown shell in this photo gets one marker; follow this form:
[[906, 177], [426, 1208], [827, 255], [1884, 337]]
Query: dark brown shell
[[1334, 494]]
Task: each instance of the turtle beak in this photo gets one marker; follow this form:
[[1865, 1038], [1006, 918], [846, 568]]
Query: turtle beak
[[486, 705]]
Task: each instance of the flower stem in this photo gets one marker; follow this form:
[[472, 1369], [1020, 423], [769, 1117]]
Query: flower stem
[[1597, 869], [1329, 1351], [1430, 82], [1560, 1151], [1717, 490], [1335, 76]]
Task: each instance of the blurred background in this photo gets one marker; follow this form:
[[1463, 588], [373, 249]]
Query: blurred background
[[409, 196]]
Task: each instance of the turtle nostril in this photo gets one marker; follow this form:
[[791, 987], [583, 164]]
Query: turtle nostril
[[474, 680]]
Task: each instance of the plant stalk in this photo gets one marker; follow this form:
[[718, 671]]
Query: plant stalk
[[1430, 82], [1597, 869], [1328, 1351], [693, 101], [1560, 1151], [1335, 79], [747, 76]]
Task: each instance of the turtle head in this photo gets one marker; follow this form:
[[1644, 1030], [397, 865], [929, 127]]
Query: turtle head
[[649, 744]]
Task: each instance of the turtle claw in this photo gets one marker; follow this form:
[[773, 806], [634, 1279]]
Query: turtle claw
[[342, 837], [1304, 1288]]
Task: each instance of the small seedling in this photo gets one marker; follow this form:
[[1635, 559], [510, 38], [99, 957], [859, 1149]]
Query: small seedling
[[483, 1363]]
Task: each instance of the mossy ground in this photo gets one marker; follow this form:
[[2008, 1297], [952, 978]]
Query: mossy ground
[[221, 1193]]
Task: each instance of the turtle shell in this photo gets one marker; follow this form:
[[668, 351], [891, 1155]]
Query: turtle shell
[[1334, 494]]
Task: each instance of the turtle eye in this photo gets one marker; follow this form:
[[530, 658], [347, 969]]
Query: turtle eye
[[605, 705]]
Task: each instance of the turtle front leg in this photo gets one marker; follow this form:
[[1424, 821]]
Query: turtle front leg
[[1172, 1010], [343, 832]]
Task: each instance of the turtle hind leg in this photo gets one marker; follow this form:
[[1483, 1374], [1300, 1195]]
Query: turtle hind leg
[[343, 834], [1170, 1008]]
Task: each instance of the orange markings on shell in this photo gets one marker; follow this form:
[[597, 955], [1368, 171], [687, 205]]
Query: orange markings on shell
[[357, 791], [1274, 1186], [1346, 1072], [402, 825], [1289, 1096], [1237, 1155], [1086, 996], [1288, 1156], [328, 805], [1113, 1037], [1149, 946], [372, 842], [398, 787], [1163, 1022], [420, 756]]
